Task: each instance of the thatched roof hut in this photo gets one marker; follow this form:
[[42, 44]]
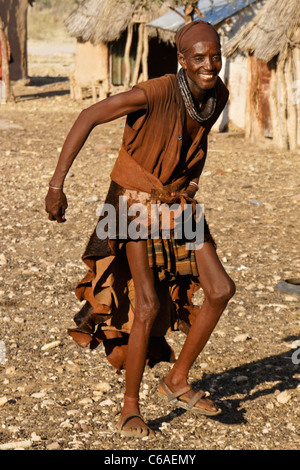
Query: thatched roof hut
[[100, 21], [103, 21], [216, 12], [120, 25], [272, 42], [270, 33]]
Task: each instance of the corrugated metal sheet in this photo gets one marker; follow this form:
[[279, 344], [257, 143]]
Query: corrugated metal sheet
[[214, 13]]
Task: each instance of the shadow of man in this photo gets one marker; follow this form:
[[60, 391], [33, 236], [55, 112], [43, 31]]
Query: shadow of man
[[247, 382]]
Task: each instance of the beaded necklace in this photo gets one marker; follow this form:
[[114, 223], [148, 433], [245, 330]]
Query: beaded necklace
[[192, 108]]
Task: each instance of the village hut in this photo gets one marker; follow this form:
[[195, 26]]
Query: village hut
[[272, 41], [113, 49]]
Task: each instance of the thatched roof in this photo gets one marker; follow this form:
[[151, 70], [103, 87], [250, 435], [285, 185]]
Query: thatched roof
[[215, 12], [274, 28], [104, 20]]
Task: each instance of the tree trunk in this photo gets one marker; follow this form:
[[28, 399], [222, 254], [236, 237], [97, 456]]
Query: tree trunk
[[4, 65], [14, 16]]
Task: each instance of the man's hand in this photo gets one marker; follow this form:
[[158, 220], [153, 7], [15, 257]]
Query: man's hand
[[56, 205], [186, 194]]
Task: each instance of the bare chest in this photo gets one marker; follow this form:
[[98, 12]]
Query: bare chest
[[190, 130]]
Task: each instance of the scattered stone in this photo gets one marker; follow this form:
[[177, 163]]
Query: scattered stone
[[241, 338], [71, 367], [47, 403], [11, 370], [292, 298], [284, 397], [102, 387], [14, 429], [53, 446], [16, 445], [93, 198], [66, 424], [35, 437], [241, 379], [52, 345], [19, 320], [3, 401], [107, 402], [3, 260], [85, 401], [41, 394]]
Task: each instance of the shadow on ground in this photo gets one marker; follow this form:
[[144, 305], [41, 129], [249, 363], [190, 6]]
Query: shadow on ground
[[40, 87], [276, 372]]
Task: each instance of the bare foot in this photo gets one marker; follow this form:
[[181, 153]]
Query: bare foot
[[131, 422], [132, 425]]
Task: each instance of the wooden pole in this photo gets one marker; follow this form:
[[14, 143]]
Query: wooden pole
[[291, 114], [282, 104], [274, 109], [138, 54], [127, 56], [5, 64], [145, 54], [296, 89], [248, 119]]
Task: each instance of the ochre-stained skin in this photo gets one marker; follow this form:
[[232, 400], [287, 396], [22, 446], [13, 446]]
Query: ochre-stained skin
[[202, 63]]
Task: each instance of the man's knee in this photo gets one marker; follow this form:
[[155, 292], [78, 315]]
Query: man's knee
[[146, 311], [221, 294]]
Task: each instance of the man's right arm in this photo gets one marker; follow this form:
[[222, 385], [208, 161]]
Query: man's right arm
[[105, 111]]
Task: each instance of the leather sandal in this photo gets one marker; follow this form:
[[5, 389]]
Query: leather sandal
[[173, 397]]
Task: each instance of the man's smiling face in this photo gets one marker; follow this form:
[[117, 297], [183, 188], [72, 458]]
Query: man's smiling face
[[202, 63]]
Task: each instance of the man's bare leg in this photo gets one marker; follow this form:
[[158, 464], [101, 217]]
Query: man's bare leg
[[218, 289], [146, 309]]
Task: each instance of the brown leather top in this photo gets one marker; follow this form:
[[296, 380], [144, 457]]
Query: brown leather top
[[153, 138]]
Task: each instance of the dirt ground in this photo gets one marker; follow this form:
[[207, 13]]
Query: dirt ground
[[54, 395]]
